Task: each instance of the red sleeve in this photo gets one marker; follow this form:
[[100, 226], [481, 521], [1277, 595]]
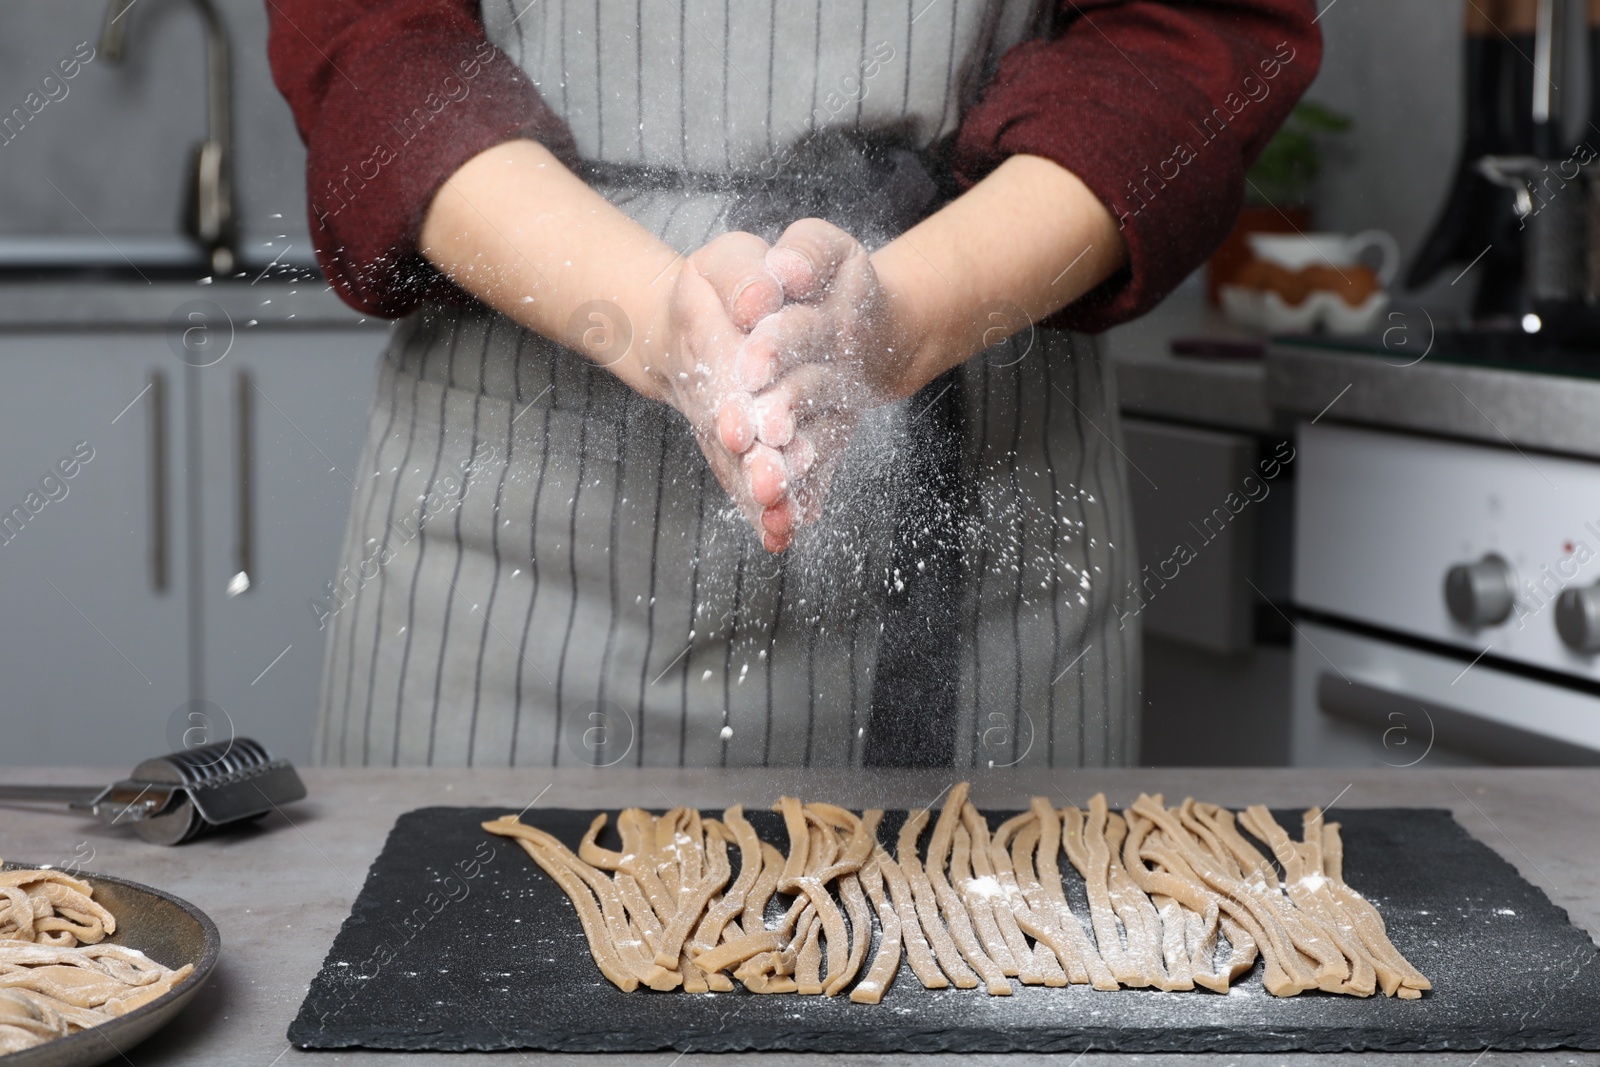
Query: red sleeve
[[1159, 108], [391, 97]]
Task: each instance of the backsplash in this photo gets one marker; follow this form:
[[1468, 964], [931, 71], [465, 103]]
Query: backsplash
[[108, 149]]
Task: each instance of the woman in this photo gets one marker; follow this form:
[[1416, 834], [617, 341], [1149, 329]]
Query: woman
[[571, 207]]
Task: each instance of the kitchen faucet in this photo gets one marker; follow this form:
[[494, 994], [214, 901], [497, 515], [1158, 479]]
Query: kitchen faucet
[[209, 213]]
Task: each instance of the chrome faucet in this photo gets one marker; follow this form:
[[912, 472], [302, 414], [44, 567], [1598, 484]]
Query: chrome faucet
[[209, 211]]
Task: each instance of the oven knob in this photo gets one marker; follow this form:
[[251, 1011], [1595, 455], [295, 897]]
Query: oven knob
[[1481, 593], [1578, 618]]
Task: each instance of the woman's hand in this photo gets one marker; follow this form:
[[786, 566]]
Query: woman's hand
[[517, 229], [1022, 243], [775, 411], [721, 291], [835, 350]]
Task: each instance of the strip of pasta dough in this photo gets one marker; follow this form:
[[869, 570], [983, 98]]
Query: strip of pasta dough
[[1243, 949], [1047, 868], [824, 850], [1179, 852], [1175, 941], [1286, 972], [755, 905], [717, 872], [1311, 938], [1220, 821], [1202, 939], [664, 835], [1046, 965], [1043, 913], [903, 901], [763, 975], [858, 850], [636, 827], [1365, 919], [927, 907], [1139, 919], [977, 897], [700, 882], [808, 959], [738, 950], [630, 950], [985, 895], [794, 821], [855, 906], [1340, 966], [1308, 889], [844, 959], [1086, 848], [1199, 919], [886, 963], [732, 904], [954, 911], [641, 914], [583, 902]]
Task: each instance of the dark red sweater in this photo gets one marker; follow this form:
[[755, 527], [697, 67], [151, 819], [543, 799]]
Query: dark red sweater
[[1158, 106]]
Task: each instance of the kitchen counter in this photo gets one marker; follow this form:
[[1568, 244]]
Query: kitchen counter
[[1228, 394], [1386, 389], [280, 890], [1494, 405], [76, 303]]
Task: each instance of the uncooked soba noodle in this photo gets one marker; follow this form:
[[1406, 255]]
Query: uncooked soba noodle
[[56, 974], [1177, 898]]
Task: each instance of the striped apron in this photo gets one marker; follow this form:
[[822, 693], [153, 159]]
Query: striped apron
[[539, 566]]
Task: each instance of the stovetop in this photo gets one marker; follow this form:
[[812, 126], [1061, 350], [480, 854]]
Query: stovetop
[[1574, 353]]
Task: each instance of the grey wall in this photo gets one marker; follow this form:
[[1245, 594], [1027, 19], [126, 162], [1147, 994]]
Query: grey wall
[[118, 144], [1395, 67]]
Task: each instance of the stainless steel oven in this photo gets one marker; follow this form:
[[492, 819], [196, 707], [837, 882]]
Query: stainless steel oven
[[1446, 599]]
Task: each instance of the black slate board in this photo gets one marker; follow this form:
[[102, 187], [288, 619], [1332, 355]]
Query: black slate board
[[457, 941]]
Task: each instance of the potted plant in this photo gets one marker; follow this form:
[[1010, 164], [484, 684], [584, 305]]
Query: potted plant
[[1277, 188]]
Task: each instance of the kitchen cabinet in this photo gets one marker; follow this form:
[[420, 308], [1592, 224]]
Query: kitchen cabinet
[[1209, 517], [93, 654], [1194, 493], [303, 398], [122, 628]]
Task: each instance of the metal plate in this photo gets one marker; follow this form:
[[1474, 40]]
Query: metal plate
[[170, 931]]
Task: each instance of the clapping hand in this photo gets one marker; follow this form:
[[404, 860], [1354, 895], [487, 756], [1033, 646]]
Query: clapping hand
[[722, 291], [777, 354], [811, 370], [772, 354]]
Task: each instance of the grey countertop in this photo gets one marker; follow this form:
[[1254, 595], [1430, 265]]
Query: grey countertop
[[1154, 383], [280, 892], [1389, 390], [68, 304], [1509, 408]]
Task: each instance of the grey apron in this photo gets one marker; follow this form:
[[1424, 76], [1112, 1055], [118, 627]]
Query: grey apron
[[541, 569]]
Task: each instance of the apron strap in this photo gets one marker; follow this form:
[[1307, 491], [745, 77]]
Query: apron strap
[[913, 720], [873, 186]]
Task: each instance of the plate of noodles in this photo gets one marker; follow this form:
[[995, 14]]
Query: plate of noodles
[[90, 965]]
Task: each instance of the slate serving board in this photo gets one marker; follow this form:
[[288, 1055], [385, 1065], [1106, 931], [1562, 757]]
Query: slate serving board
[[458, 941]]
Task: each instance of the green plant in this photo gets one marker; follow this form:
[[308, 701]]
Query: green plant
[[1284, 172]]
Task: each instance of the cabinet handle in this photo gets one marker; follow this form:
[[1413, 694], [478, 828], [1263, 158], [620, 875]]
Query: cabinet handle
[[244, 494], [1451, 727], [158, 480]]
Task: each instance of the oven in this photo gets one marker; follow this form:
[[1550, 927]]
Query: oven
[[1446, 602]]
